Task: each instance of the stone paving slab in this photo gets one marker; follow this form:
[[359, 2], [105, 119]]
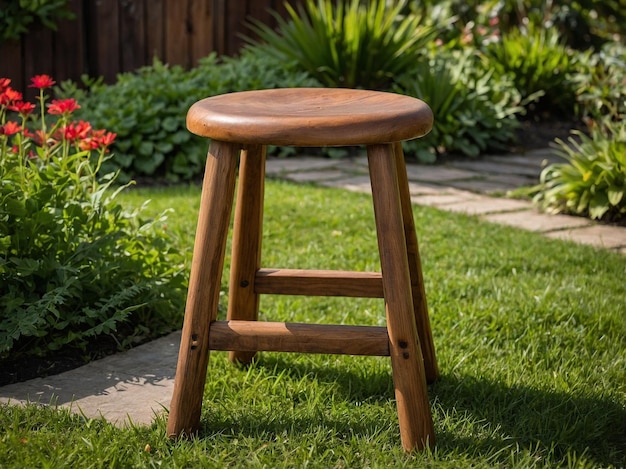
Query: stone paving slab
[[315, 176], [444, 199], [437, 173], [424, 188], [538, 160], [489, 186], [602, 236], [277, 166], [134, 385], [484, 205], [491, 167], [533, 220], [513, 180], [354, 184]]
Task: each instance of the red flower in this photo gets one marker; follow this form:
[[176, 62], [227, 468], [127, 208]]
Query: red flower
[[41, 82], [40, 138], [9, 95], [10, 128], [22, 107], [4, 83], [63, 106], [88, 144], [76, 131], [104, 138], [99, 139]]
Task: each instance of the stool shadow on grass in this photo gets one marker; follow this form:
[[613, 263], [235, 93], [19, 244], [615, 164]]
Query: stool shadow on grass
[[537, 420], [487, 419], [352, 387]]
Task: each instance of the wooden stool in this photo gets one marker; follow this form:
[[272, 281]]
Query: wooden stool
[[246, 122]]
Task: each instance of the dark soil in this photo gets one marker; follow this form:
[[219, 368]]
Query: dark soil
[[531, 135], [534, 135], [24, 368]]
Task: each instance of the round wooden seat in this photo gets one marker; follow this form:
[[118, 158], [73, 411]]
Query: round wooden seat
[[310, 117], [240, 126]]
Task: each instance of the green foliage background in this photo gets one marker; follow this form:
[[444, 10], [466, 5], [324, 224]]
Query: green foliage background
[[17, 16]]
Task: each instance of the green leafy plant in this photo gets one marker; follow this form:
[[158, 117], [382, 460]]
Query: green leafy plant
[[348, 44], [593, 180], [581, 24], [473, 112], [74, 264], [16, 16], [600, 84], [538, 63]]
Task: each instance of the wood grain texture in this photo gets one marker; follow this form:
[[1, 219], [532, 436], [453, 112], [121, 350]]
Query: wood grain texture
[[319, 283], [414, 415], [310, 117], [204, 288], [302, 338], [243, 300], [420, 305]]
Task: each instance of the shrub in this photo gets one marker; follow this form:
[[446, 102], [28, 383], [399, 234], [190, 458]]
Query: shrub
[[473, 112], [147, 110], [581, 24], [600, 84], [349, 44], [17, 16], [538, 63], [593, 180], [73, 264]]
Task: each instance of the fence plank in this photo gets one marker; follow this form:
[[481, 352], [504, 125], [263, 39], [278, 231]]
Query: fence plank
[[39, 59], [132, 34], [155, 31], [202, 25], [69, 45], [219, 31], [105, 40], [11, 65], [177, 40]]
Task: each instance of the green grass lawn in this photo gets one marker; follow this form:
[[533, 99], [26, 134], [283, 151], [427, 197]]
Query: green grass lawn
[[530, 336]]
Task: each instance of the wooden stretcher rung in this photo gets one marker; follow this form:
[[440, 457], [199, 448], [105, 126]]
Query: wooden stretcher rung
[[253, 336], [319, 283]]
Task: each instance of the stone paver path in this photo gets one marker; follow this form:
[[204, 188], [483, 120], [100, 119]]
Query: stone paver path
[[135, 385]]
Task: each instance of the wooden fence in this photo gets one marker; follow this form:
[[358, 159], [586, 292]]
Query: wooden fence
[[107, 37]]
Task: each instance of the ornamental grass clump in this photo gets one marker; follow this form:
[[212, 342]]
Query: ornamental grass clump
[[350, 44], [74, 265]]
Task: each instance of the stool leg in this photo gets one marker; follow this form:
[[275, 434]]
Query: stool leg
[[415, 268], [204, 288], [243, 302], [414, 415]]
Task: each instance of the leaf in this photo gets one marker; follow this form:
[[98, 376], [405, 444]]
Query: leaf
[[145, 148], [598, 205], [14, 207], [170, 124], [615, 195], [25, 267]]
